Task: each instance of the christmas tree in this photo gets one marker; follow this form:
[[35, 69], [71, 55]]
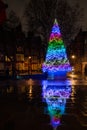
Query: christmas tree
[[56, 58]]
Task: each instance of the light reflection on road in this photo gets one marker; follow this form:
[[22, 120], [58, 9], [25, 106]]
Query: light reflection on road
[[29, 92], [55, 96]]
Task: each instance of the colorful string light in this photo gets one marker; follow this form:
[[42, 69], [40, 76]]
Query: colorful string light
[[55, 97], [56, 57]]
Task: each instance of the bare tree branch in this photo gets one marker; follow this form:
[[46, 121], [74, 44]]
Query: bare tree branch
[[41, 14]]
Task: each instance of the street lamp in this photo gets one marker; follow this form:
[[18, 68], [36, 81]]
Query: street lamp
[[73, 57], [29, 65]]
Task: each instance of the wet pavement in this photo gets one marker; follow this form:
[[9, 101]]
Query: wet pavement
[[37, 105]]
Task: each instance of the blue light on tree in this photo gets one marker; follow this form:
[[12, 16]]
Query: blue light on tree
[[56, 57], [55, 97]]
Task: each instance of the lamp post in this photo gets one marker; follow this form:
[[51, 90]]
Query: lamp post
[[29, 65], [73, 57]]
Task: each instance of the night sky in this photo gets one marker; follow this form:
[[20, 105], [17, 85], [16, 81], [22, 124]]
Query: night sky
[[19, 5]]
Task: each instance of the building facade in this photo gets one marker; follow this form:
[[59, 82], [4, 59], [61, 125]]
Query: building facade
[[25, 60], [78, 52]]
